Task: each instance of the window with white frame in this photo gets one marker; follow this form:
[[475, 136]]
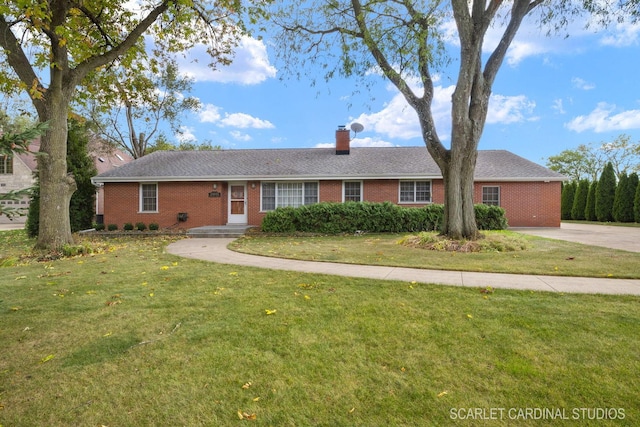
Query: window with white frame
[[491, 195], [415, 191], [6, 165], [288, 194], [352, 191], [149, 197]]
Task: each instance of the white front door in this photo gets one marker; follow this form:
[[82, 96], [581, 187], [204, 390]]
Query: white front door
[[237, 203]]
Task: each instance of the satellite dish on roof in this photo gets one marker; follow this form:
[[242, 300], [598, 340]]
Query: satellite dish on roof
[[356, 127]]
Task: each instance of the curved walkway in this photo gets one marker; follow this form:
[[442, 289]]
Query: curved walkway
[[216, 250]]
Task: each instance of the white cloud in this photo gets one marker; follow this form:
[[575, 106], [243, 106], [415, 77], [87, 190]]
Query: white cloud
[[582, 84], [211, 114], [243, 121], [623, 34], [240, 136], [250, 64], [397, 120], [605, 118], [185, 134], [558, 106], [510, 109]]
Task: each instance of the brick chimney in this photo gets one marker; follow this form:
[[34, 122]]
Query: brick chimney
[[342, 140]]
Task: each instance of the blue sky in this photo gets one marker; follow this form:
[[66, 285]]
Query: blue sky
[[551, 94]]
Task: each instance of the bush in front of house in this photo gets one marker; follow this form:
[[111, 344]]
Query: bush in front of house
[[112, 227], [99, 226], [141, 226], [127, 226], [154, 226], [490, 217], [349, 217]]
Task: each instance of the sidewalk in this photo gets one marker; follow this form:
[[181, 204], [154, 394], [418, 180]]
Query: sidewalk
[[215, 250]]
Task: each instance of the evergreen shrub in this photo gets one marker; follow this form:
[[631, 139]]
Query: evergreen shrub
[[387, 217]]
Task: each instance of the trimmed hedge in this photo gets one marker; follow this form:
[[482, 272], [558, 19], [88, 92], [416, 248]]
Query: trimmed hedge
[[349, 217]]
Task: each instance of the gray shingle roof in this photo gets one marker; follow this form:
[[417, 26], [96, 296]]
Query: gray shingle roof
[[316, 163]]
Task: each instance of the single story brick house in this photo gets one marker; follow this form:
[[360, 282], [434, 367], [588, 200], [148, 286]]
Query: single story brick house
[[186, 189]]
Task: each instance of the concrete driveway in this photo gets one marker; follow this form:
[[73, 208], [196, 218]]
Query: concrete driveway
[[608, 236], [11, 226]]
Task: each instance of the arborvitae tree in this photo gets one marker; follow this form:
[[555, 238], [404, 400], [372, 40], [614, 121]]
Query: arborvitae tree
[[566, 203], [82, 205], [605, 194], [623, 203], [590, 210], [80, 164], [636, 204], [634, 180], [578, 211]]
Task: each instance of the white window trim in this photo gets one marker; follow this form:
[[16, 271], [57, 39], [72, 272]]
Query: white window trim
[[141, 202], [344, 190], [262, 209], [416, 202]]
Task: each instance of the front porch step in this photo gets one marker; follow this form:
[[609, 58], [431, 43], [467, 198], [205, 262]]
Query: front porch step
[[219, 231]]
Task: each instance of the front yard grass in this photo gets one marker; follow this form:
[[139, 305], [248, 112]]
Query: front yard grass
[[541, 256], [133, 336]]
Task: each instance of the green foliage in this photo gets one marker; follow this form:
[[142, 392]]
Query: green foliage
[[590, 209], [154, 226], [141, 226], [636, 204], [99, 226], [634, 182], [350, 217], [577, 164], [127, 226], [33, 217], [80, 165], [112, 227], [566, 203], [605, 194], [490, 217], [579, 209], [76, 250], [623, 201]]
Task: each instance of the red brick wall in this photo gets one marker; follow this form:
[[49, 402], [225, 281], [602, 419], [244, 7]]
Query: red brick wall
[[527, 204], [122, 204]]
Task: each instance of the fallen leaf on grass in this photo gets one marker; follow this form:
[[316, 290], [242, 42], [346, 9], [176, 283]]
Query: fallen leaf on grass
[[268, 312], [245, 416], [47, 358], [442, 393], [246, 385]]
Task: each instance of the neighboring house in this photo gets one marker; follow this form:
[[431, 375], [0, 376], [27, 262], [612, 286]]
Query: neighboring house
[[17, 172], [187, 189], [105, 158]]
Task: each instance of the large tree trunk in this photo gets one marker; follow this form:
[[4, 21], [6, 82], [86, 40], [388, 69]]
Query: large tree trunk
[[459, 213], [56, 185]]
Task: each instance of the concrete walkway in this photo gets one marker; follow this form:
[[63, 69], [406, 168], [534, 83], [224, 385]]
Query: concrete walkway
[[216, 250]]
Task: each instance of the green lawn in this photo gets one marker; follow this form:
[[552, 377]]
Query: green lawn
[[132, 336], [541, 256]]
